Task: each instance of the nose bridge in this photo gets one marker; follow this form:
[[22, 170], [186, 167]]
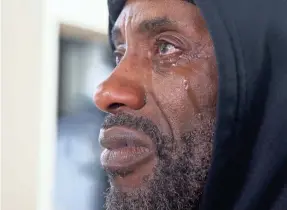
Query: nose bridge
[[128, 72], [122, 89]]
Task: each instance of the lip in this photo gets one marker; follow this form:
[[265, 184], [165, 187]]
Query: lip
[[125, 149]]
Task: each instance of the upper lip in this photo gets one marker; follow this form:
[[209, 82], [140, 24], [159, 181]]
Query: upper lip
[[118, 137]]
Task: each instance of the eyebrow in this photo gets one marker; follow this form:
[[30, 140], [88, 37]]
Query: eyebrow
[[116, 34], [150, 27], [155, 25]]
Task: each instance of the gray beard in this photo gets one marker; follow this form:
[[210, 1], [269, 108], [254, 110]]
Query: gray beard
[[179, 177]]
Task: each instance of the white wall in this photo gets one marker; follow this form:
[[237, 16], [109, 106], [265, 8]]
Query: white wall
[[29, 93], [29, 82], [88, 14]]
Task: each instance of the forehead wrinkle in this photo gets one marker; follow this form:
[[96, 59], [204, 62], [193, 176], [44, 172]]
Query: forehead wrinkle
[[135, 20], [118, 31], [131, 23], [125, 23], [150, 27], [141, 23]]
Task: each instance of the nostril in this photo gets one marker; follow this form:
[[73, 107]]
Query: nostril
[[115, 106]]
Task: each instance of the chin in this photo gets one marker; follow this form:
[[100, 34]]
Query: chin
[[127, 181]]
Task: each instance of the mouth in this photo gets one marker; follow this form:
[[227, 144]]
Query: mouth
[[125, 149]]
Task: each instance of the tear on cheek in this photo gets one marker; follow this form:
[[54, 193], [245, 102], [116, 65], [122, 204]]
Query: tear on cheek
[[185, 84]]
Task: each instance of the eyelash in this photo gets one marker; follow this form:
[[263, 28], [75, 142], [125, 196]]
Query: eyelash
[[118, 55], [160, 42]]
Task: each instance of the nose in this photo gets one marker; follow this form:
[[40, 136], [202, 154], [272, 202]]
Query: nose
[[117, 93]]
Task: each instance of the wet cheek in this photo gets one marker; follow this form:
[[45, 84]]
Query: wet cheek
[[205, 84], [183, 90], [200, 82], [172, 96]]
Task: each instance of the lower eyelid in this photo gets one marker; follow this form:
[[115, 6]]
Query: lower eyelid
[[169, 58], [176, 52]]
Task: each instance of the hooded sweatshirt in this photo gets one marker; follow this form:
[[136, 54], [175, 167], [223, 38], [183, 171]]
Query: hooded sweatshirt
[[249, 162]]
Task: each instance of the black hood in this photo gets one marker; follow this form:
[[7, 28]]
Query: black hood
[[249, 165]]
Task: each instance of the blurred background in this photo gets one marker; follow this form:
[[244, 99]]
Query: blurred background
[[54, 55]]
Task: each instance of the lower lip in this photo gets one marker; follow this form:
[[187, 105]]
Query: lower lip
[[126, 158]]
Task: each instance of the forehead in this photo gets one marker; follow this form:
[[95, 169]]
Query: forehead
[[180, 12]]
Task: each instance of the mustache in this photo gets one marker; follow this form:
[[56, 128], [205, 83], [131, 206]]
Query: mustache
[[140, 124]]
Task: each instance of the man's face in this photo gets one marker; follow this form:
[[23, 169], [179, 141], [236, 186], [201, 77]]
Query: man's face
[[161, 98]]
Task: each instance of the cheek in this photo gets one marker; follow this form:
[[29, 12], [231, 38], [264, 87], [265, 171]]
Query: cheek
[[203, 83], [171, 94], [184, 92]]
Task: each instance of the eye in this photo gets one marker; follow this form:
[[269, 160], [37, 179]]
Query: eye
[[118, 57], [165, 48]]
